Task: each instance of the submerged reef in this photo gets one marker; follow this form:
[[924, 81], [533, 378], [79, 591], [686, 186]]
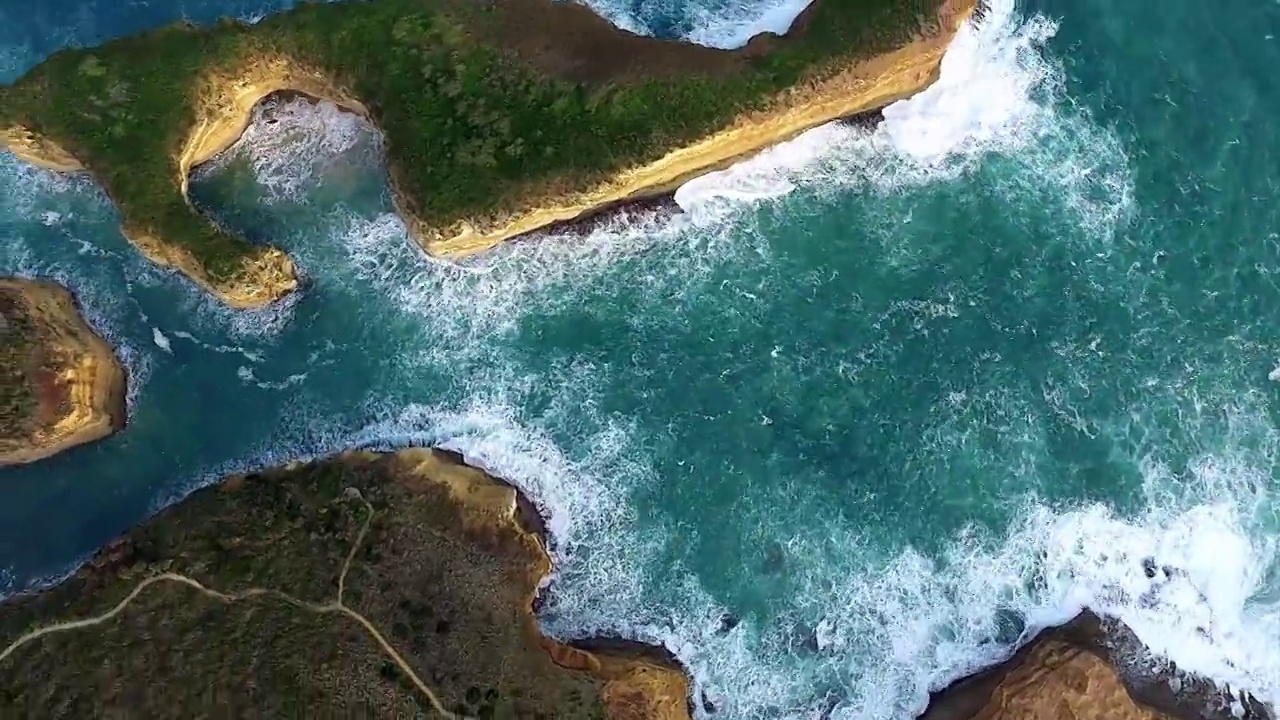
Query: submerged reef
[[1092, 668], [60, 383], [363, 585], [497, 118]]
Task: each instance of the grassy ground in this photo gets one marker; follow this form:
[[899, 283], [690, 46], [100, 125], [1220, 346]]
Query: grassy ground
[[19, 350], [452, 602], [480, 102]]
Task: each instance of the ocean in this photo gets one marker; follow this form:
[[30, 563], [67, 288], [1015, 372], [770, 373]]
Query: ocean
[[858, 416]]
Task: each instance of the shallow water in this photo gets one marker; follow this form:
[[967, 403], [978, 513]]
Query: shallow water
[[888, 397]]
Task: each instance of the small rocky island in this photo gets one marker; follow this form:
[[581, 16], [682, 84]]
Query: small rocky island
[[60, 384], [364, 585], [497, 118]]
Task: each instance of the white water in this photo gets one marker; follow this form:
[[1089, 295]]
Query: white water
[[896, 627], [888, 620]]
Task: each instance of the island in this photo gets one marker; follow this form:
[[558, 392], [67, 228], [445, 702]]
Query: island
[[363, 585], [60, 383], [497, 117]]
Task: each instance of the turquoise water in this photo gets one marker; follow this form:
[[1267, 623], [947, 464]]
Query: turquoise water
[[887, 399]]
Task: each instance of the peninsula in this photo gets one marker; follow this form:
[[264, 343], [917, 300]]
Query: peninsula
[[60, 384], [363, 585], [498, 117]]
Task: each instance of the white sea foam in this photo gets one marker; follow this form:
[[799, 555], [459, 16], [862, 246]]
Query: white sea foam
[[287, 157], [885, 630], [715, 25], [35, 202], [733, 26], [161, 340]]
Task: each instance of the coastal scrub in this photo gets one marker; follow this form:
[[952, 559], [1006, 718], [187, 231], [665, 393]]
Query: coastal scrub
[[358, 586], [487, 109]]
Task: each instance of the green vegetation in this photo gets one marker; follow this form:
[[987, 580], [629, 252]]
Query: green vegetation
[[19, 351], [452, 603], [483, 105]]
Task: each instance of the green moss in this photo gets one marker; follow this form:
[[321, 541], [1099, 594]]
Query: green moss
[[480, 105]]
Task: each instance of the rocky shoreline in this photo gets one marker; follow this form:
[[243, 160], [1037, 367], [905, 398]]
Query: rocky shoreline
[[64, 385], [373, 585], [444, 568], [1092, 668], [226, 96]]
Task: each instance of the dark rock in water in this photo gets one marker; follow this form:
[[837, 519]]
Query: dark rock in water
[[804, 638], [1089, 669], [829, 704], [1009, 626], [728, 621], [775, 559], [1149, 567], [708, 705], [868, 120]]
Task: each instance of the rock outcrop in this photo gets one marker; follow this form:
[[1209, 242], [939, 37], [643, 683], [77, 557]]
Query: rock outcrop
[[1090, 669], [62, 384]]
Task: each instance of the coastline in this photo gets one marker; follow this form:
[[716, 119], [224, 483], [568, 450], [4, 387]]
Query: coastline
[[267, 277], [1090, 668], [441, 567], [226, 100], [863, 88], [93, 378], [635, 674]]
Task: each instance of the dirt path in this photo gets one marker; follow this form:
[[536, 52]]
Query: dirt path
[[337, 606]]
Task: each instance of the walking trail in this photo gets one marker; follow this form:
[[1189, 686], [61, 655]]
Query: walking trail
[[336, 606]]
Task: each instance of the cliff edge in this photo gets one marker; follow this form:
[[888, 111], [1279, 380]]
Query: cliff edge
[[60, 383], [498, 118], [1092, 668], [358, 586]]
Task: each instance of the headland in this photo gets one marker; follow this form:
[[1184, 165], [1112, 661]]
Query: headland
[[60, 383], [497, 119], [362, 585], [1092, 668]]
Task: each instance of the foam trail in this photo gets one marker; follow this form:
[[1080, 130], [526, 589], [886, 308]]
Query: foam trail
[[161, 340]]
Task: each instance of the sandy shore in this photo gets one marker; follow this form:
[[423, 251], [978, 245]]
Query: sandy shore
[[87, 368]]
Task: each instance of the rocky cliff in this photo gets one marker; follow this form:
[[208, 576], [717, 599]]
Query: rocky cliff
[[359, 586], [1090, 669], [61, 383]]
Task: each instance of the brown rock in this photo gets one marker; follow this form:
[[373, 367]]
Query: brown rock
[[62, 384], [1085, 671]]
